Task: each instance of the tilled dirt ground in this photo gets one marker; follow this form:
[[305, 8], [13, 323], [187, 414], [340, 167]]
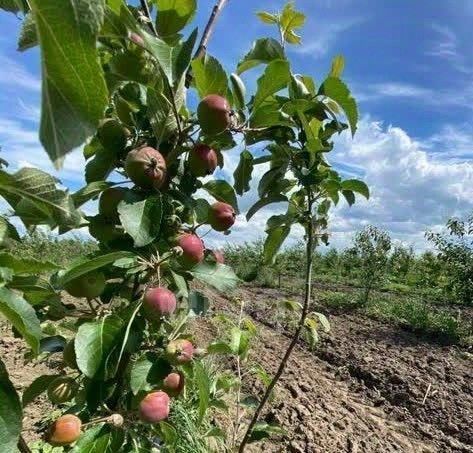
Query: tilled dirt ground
[[367, 387]]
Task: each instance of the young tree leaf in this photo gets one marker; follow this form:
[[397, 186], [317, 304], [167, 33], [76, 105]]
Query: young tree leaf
[[219, 276], [28, 36], [141, 219], [290, 20], [147, 372], [338, 64], [275, 78], [33, 195], [7, 232], [38, 386], [209, 76], [349, 196], [89, 265], [174, 59], [174, 15], [263, 51], [102, 164], [13, 6], [267, 18], [101, 438], [242, 174], [198, 303], [74, 90], [94, 343], [222, 191], [25, 265], [273, 243], [335, 89], [22, 316], [238, 90], [262, 202], [263, 430], [11, 413], [356, 186], [92, 190], [203, 385]]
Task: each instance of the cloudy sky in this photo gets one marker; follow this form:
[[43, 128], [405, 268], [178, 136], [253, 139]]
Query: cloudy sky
[[410, 66]]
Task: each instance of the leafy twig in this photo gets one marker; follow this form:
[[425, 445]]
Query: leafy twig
[[300, 326]]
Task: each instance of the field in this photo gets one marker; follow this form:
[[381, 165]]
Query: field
[[392, 375]]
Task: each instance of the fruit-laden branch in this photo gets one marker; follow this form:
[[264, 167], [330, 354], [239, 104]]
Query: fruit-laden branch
[[300, 326], [217, 9]]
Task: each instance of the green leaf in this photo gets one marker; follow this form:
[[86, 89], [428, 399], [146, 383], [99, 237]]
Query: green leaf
[[174, 60], [89, 191], [11, 413], [311, 129], [203, 385], [22, 316], [275, 78], [335, 89], [102, 164], [38, 386], [89, 265], [147, 372], [74, 94], [26, 265], [239, 341], [12, 6], [222, 191], [273, 243], [238, 90], [7, 232], [28, 36], [142, 219], [174, 15], [290, 20], [356, 186], [262, 202], [349, 196], [209, 76], [95, 342], [267, 18], [198, 303], [100, 438], [33, 195], [338, 64], [263, 430], [263, 51], [35, 289], [219, 347], [219, 276], [242, 174]]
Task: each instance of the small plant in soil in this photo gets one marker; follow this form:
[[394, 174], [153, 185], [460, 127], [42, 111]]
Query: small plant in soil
[[115, 81]]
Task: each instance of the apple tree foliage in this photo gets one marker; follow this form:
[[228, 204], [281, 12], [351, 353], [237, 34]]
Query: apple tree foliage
[[115, 79]]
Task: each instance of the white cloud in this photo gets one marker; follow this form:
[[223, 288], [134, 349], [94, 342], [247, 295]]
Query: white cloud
[[13, 74]]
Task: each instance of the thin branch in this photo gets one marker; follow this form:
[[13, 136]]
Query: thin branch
[[23, 446], [216, 10], [145, 8], [300, 326]]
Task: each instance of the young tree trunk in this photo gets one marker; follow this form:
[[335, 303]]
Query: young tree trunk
[[295, 338]]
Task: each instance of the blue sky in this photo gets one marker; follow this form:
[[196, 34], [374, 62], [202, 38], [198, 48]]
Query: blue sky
[[410, 66]]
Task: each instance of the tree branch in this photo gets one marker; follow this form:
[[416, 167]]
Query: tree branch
[[145, 8], [23, 446], [300, 326]]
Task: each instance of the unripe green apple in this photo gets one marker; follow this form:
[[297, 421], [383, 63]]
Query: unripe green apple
[[221, 216], [202, 160], [62, 389], [112, 135], [65, 430], [89, 285], [146, 167], [108, 203], [213, 114]]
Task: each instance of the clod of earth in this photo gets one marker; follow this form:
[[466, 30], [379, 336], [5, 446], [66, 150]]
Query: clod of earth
[[213, 114], [65, 430], [159, 302], [221, 216], [202, 160], [154, 407], [146, 167], [180, 351], [89, 285]]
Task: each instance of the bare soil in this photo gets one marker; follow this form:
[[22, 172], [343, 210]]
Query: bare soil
[[367, 387]]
